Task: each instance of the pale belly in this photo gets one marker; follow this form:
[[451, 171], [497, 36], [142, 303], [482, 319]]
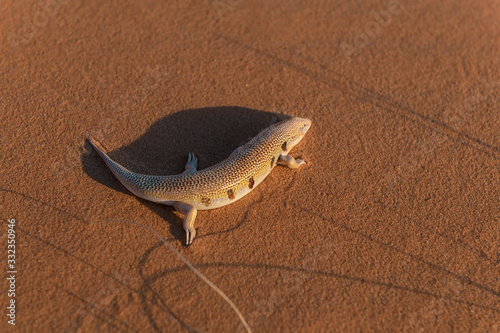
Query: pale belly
[[223, 201]]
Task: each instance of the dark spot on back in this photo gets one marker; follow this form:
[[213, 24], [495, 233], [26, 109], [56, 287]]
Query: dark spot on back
[[230, 194], [272, 162], [251, 182], [205, 201], [283, 146]]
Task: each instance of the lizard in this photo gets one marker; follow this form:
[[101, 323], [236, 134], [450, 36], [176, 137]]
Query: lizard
[[218, 185]]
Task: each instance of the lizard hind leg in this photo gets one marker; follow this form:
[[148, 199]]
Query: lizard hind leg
[[189, 217], [289, 161], [191, 164]]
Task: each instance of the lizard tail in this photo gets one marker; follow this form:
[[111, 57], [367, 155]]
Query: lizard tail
[[96, 145], [125, 176]]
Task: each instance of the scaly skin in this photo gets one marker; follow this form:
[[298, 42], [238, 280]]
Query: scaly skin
[[222, 183]]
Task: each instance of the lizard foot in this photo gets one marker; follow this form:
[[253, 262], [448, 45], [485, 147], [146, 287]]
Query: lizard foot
[[191, 164]]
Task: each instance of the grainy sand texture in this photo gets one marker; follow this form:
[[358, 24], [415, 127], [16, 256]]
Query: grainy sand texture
[[392, 226]]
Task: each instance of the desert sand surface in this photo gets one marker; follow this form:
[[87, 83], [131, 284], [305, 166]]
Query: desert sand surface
[[392, 226]]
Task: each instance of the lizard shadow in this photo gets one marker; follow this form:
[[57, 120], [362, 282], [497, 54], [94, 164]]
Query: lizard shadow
[[212, 133]]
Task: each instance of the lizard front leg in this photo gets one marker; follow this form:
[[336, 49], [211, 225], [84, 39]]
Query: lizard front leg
[[189, 217], [289, 161]]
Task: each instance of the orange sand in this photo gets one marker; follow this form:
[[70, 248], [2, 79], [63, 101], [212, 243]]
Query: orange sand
[[393, 225]]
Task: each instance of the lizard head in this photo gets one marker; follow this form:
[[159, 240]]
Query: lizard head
[[295, 128]]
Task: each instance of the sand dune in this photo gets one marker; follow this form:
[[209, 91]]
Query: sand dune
[[393, 225]]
